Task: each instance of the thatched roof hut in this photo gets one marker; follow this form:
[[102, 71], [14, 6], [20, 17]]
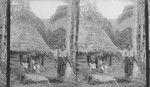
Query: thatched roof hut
[[25, 37]]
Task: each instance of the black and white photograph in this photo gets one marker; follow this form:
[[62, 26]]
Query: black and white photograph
[[74, 43]]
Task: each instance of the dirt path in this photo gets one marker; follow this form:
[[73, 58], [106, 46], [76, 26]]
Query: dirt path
[[50, 70]]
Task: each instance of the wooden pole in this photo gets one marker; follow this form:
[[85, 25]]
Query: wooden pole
[[57, 52], [29, 61], [77, 10], [110, 63], [20, 57], [42, 60]]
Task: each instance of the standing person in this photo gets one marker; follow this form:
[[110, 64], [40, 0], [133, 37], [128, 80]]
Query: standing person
[[100, 64], [25, 62], [88, 58], [128, 61], [61, 62], [96, 60]]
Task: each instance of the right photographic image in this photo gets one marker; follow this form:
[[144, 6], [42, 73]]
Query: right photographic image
[[112, 42]]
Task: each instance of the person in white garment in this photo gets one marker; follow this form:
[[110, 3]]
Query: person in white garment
[[61, 62]]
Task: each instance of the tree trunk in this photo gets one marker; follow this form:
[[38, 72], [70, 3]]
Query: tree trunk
[[72, 39], [137, 41], [69, 73], [3, 46], [3, 39]]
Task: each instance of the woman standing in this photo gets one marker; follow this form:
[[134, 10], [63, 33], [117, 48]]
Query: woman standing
[[128, 61], [61, 62]]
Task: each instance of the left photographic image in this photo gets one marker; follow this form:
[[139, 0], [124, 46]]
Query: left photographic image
[[38, 44]]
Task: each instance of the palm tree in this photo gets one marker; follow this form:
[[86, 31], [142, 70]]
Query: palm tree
[[72, 39], [137, 67]]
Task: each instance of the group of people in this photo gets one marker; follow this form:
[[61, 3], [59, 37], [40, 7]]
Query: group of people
[[31, 62], [96, 63]]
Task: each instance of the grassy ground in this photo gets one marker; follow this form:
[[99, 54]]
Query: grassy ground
[[48, 70]]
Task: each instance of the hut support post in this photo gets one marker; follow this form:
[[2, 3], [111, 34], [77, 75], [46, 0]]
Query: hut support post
[[57, 52], [20, 58], [42, 60], [110, 62], [29, 62]]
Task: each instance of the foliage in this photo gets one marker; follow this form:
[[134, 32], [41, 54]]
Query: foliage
[[61, 12], [127, 13], [17, 6], [20, 11], [56, 38], [124, 38]]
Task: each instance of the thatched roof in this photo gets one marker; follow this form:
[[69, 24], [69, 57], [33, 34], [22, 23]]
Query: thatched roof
[[97, 39], [25, 37]]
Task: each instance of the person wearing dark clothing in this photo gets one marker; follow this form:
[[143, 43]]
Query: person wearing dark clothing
[[61, 67], [128, 66], [88, 58], [96, 61], [128, 62], [61, 62]]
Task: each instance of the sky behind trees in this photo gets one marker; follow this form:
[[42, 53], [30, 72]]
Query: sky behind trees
[[110, 9]]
